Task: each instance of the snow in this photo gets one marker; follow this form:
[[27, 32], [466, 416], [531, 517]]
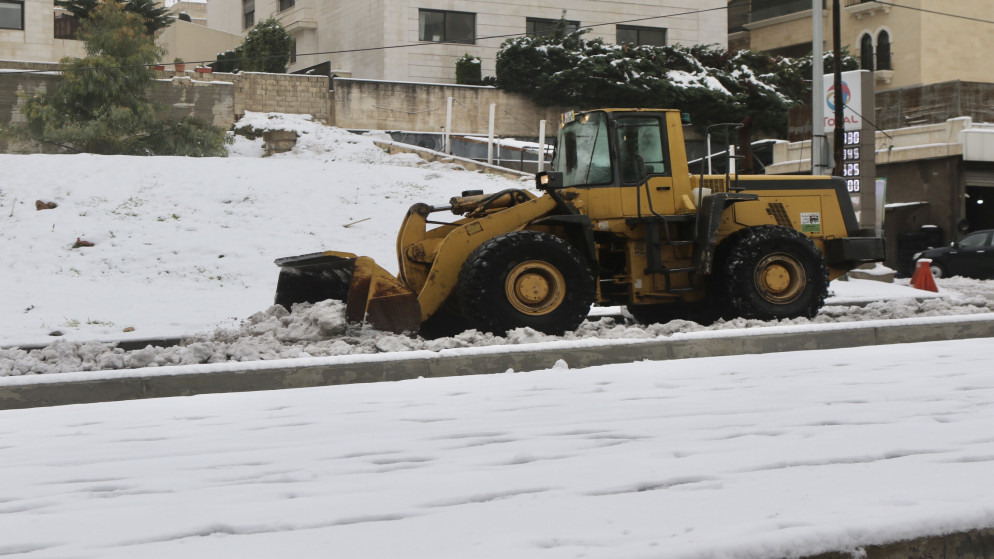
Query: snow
[[184, 247], [733, 457]]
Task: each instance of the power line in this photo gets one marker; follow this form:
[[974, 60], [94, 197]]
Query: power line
[[388, 47]]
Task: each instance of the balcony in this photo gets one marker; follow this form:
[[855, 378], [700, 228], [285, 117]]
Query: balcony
[[864, 8]]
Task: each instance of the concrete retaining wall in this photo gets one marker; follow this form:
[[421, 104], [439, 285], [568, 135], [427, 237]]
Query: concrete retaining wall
[[379, 105], [77, 388]]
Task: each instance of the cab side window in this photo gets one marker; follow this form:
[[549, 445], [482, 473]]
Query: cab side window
[[641, 136], [975, 242]]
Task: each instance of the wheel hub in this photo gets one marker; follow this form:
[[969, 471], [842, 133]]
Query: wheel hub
[[780, 278], [535, 287]]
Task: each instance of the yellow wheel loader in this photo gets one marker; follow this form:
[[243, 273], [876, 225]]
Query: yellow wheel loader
[[619, 221]]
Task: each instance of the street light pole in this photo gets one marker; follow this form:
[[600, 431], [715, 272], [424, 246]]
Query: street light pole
[[818, 163], [839, 99]]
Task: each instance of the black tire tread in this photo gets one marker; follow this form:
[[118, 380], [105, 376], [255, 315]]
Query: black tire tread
[[480, 289], [746, 247]]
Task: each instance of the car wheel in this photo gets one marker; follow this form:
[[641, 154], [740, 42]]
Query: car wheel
[[938, 270]]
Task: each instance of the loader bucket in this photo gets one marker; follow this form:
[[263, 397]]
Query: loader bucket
[[371, 294]]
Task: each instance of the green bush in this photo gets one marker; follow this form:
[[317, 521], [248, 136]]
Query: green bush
[[101, 105], [469, 70], [267, 48]]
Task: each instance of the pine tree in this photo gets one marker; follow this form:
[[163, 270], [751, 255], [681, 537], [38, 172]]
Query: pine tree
[[267, 48]]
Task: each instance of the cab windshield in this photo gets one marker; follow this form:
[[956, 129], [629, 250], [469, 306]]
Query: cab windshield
[[583, 155]]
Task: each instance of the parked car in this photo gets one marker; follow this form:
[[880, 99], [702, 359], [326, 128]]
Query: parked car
[[972, 256]]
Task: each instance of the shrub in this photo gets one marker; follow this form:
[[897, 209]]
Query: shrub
[[469, 70]]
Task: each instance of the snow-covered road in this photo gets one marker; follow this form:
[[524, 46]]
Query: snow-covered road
[[740, 457]]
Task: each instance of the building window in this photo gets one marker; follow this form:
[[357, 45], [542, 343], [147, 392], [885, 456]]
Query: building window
[[768, 9], [538, 27], [287, 4], [654, 36], [11, 14], [866, 53], [248, 11], [883, 51], [440, 26]]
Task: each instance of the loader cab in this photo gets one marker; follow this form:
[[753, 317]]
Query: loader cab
[[620, 161]]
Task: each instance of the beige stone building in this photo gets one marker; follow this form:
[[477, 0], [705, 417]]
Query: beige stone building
[[34, 30], [906, 43], [420, 40]]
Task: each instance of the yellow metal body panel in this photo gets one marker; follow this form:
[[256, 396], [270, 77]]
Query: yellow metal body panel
[[440, 253]]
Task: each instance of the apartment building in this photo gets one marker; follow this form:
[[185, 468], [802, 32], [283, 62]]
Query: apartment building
[[904, 42], [34, 30], [420, 40]]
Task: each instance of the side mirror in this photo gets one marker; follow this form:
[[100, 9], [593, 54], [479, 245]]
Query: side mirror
[[549, 180]]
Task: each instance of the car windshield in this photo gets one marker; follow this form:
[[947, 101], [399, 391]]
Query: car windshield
[[582, 154]]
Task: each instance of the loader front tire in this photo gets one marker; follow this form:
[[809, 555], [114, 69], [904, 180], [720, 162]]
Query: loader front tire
[[773, 272], [525, 279]]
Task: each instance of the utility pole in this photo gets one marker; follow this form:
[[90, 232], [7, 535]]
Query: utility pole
[[839, 98], [818, 164]]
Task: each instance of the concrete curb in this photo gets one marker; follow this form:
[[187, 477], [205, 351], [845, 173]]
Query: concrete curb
[[81, 388]]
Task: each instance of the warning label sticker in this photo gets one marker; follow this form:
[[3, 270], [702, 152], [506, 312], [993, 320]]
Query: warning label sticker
[[811, 222]]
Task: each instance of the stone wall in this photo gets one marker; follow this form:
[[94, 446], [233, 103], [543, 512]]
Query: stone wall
[[271, 93], [934, 103], [216, 98], [222, 98], [377, 105]]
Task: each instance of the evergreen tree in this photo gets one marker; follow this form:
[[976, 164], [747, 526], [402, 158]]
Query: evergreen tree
[[469, 71], [267, 48], [154, 16], [101, 105], [711, 83]]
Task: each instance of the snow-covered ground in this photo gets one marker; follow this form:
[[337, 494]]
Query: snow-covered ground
[[735, 457], [185, 247]]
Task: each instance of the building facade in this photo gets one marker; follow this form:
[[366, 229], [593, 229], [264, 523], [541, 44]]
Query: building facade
[[34, 30], [420, 40], [914, 42]]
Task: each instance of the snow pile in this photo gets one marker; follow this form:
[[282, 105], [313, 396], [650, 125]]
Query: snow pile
[[320, 330]]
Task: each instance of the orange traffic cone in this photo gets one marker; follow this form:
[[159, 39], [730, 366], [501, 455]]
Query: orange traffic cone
[[922, 278]]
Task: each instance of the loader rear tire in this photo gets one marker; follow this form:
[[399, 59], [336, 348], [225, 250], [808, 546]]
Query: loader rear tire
[[525, 279], [774, 272]]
